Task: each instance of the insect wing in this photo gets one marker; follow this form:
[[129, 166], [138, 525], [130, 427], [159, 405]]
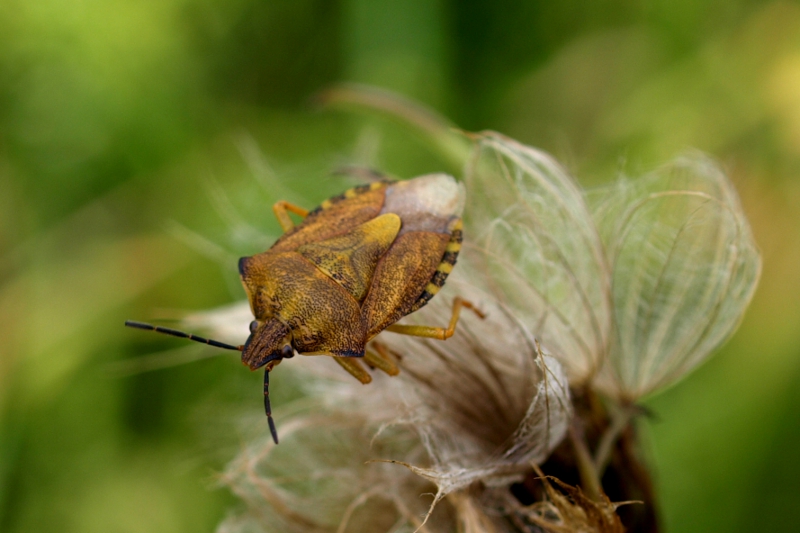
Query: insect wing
[[401, 277], [429, 207], [350, 259]]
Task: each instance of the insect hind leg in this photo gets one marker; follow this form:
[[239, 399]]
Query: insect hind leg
[[433, 332]]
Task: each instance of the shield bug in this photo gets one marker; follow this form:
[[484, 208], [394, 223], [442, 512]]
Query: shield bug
[[352, 268]]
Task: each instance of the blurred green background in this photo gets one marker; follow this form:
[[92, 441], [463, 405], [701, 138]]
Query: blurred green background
[[142, 143]]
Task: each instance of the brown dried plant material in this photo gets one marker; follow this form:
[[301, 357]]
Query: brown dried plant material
[[569, 510]]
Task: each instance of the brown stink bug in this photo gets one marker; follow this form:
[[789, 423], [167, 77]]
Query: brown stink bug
[[352, 268]]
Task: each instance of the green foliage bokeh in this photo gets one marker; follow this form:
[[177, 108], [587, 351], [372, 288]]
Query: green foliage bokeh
[[143, 142]]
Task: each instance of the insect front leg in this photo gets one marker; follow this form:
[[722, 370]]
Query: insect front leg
[[353, 366], [434, 332], [282, 210]]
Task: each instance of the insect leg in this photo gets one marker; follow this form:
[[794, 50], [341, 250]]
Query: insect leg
[[437, 332], [354, 367], [268, 409], [282, 210], [381, 358]]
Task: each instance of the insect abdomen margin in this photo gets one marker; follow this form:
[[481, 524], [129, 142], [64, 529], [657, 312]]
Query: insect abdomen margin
[[350, 193], [445, 267]]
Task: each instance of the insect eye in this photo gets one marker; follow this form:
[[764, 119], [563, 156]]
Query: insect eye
[[253, 326], [287, 352]]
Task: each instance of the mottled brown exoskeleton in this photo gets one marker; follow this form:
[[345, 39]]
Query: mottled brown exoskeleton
[[352, 268]]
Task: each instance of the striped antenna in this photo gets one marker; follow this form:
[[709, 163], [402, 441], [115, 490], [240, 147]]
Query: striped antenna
[[182, 334], [268, 409], [212, 342]]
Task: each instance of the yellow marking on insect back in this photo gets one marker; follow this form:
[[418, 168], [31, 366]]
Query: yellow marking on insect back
[[326, 204], [350, 193], [458, 225], [431, 288], [350, 259], [445, 267], [375, 185], [453, 246]]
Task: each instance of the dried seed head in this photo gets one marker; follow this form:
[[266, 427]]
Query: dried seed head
[[627, 297], [644, 287]]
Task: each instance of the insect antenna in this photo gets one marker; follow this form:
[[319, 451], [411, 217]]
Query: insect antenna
[[218, 344], [182, 334], [267, 407]]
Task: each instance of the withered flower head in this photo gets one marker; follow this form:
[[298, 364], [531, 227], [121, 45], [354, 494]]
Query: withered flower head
[[629, 289], [626, 288]]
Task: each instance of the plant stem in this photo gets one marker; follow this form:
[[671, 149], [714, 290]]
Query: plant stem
[[590, 481], [619, 421]]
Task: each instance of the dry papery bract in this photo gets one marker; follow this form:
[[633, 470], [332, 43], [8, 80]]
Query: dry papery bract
[[533, 244], [464, 415], [630, 286], [684, 268]]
